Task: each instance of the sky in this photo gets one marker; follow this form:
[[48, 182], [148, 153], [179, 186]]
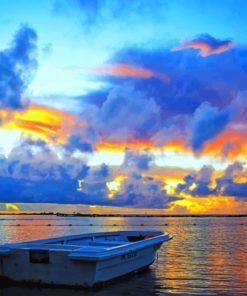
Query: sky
[[124, 106]]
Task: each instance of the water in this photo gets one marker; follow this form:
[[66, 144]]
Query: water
[[207, 256]]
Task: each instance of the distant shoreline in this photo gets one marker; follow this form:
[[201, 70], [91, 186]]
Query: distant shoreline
[[125, 215]]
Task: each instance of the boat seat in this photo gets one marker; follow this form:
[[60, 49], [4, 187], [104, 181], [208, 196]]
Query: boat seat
[[91, 249], [107, 243]]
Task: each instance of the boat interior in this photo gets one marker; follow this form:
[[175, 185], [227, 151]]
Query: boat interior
[[93, 242]]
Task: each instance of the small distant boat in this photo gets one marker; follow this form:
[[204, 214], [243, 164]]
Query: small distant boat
[[80, 260]]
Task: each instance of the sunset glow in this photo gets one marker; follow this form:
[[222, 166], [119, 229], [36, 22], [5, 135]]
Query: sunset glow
[[128, 106], [40, 122]]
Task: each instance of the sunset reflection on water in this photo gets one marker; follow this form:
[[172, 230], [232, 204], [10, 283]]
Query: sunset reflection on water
[[207, 256]]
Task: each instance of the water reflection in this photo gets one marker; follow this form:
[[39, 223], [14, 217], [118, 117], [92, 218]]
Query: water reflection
[[207, 256], [143, 283], [203, 258]]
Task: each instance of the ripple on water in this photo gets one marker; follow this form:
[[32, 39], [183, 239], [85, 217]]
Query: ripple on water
[[207, 256]]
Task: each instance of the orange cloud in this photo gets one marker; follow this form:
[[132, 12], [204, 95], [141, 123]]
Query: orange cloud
[[206, 44], [120, 146], [209, 205], [125, 70], [40, 122], [178, 145], [231, 143]]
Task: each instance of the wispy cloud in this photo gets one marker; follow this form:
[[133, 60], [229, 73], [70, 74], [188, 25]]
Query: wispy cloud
[[206, 44], [123, 70]]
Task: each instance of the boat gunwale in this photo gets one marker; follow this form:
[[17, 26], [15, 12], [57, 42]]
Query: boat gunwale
[[79, 236], [83, 252]]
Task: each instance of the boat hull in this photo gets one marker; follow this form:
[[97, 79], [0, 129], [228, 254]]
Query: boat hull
[[63, 267]]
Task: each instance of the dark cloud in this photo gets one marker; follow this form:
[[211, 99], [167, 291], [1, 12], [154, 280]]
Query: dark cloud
[[188, 181], [136, 190], [241, 58], [127, 113], [97, 97], [203, 182], [199, 184], [193, 80], [34, 173], [237, 190], [75, 142], [227, 186], [17, 65], [143, 192], [101, 173], [140, 161], [209, 121], [40, 162]]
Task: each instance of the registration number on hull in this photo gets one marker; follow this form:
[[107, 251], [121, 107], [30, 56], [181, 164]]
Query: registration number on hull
[[129, 255]]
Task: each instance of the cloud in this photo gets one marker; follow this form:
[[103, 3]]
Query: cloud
[[123, 70], [204, 184], [158, 113], [206, 44], [139, 190], [121, 146], [104, 10], [141, 161], [100, 19], [133, 189], [75, 142], [209, 121], [198, 183], [36, 161], [199, 105], [127, 113], [34, 172], [143, 192], [41, 122], [187, 182], [230, 144], [227, 185], [17, 65]]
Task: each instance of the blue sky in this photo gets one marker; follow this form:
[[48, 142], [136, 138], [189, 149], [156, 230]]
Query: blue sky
[[73, 33]]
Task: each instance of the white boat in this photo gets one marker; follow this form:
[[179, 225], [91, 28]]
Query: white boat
[[80, 260]]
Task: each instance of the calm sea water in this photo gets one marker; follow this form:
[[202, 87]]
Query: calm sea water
[[207, 256]]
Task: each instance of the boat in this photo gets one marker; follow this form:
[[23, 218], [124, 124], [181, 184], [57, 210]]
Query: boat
[[80, 260]]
